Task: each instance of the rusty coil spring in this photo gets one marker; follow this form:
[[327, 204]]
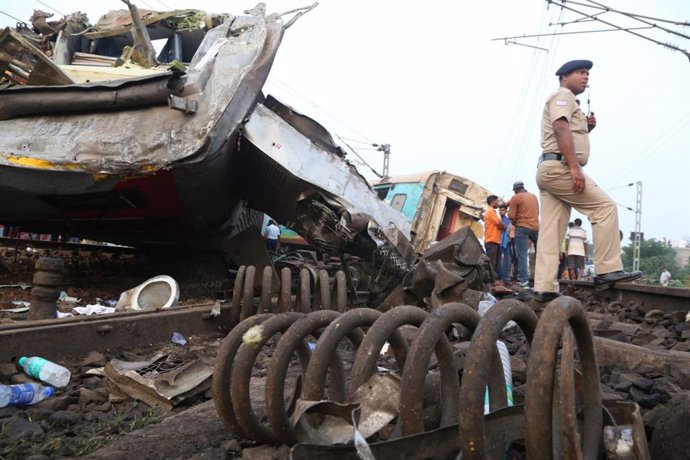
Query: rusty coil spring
[[461, 405], [328, 294], [237, 356]]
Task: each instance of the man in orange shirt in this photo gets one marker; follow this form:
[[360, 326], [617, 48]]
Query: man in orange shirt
[[492, 232]]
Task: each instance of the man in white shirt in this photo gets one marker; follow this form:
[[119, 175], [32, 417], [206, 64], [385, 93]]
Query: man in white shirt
[[665, 277], [576, 250], [272, 234]]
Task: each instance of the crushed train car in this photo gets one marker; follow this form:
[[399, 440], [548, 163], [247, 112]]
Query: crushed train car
[[436, 203], [182, 154]]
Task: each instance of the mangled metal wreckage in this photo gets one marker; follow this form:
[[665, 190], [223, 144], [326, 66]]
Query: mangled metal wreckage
[[178, 154]]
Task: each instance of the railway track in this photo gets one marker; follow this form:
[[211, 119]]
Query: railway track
[[310, 321], [77, 336], [647, 296], [63, 246]]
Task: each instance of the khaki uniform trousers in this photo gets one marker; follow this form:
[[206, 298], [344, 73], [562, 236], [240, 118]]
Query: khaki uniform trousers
[[557, 198]]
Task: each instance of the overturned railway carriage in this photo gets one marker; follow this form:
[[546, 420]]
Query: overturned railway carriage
[[114, 160], [180, 154], [436, 203]]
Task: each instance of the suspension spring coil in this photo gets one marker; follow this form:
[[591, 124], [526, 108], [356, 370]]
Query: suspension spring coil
[[329, 294], [240, 349], [549, 390]]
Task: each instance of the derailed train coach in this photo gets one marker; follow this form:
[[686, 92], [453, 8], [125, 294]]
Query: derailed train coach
[[436, 203]]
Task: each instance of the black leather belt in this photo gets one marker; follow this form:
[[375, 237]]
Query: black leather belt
[[550, 156]]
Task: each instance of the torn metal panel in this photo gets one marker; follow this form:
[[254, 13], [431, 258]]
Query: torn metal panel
[[448, 270], [23, 63], [327, 422], [318, 169], [161, 381], [230, 71], [119, 22], [306, 184], [140, 174]]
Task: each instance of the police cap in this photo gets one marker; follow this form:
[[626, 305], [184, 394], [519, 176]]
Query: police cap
[[572, 66]]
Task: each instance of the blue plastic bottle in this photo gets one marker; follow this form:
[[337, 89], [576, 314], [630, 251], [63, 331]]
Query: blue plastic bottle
[[24, 394]]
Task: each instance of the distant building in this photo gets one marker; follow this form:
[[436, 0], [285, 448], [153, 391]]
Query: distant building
[[682, 256]]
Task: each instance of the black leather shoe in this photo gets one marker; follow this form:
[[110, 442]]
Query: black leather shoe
[[544, 297], [608, 279]]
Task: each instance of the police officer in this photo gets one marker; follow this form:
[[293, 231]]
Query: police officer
[[564, 185]]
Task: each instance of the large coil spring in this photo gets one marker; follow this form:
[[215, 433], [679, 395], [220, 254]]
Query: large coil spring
[[329, 293], [459, 403]]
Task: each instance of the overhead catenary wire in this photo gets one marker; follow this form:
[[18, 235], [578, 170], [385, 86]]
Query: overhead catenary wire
[[527, 109], [148, 5], [584, 14], [272, 79], [356, 140], [638, 17], [342, 139], [620, 187], [50, 7], [164, 5], [518, 113], [13, 17], [593, 31], [653, 148], [624, 206], [379, 175]]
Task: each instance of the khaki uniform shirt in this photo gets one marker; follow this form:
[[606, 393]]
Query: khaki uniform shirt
[[562, 104]]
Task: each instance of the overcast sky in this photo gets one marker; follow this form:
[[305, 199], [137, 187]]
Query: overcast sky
[[427, 78]]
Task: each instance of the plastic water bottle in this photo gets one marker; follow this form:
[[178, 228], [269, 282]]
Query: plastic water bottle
[[24, 394], [507, 375], [45, 371]]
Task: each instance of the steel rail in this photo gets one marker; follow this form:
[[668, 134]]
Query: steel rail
[[648, 296]]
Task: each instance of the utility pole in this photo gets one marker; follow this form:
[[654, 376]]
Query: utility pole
[[637, 242], [386, 149]]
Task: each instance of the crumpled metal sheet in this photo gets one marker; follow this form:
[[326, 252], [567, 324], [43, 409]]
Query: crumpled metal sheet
[[449, 268], [154, 137], [371, 407], [295, 152], [324, 198], [502, 427], [117, 22], [627, 439], [160, 381]]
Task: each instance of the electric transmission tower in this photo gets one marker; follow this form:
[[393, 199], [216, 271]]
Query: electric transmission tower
[[637, 242], [386, 149]]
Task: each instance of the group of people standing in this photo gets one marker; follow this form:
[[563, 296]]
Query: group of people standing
[[563, 185], [507, 236], [575, 252]]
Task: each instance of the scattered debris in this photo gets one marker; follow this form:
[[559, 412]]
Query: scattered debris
[[157, 293], [162, 381], [371, 407], [178, 339]]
